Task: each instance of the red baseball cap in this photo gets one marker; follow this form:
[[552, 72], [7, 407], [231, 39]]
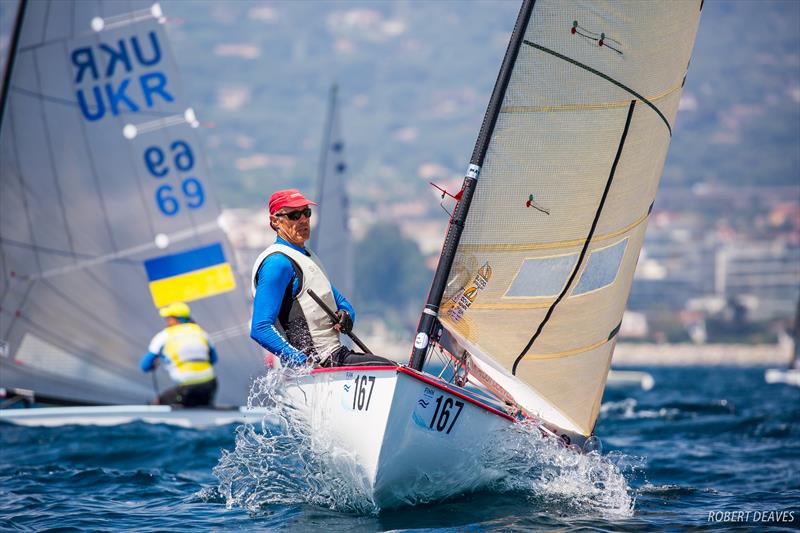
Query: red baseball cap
[[287, 198]]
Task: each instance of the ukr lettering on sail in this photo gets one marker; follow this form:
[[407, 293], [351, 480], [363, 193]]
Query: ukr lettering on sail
[[98, 70]]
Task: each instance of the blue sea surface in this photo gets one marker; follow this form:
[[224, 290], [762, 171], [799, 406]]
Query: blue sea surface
[[703, 442]]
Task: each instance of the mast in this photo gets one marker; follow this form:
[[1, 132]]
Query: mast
[[428, 319], [323, 159], [12, 53]]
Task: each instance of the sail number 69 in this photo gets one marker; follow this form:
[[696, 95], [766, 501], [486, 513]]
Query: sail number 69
[[167, 197], [441, 416]]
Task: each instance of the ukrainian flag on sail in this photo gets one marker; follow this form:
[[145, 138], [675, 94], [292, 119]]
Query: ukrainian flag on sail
[[189, 275]]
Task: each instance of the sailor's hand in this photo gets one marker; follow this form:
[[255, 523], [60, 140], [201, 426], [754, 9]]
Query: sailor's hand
[[345, 323]]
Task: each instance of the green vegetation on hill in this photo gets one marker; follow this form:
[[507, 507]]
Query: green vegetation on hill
[[392, 277]]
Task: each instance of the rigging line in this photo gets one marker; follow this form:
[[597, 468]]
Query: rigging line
[[25, 208], [175, 237], [605, 77], [585, 245], [97, 319], [14, 316], [10, 59], [64, 343], [54, 251], [71, 103], [51, 160], [72, 35], [44, 26]]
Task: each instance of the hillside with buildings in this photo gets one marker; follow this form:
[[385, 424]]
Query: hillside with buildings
[[722, 257]]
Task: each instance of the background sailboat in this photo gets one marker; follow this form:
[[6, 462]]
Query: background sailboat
[[331, 239], [791, 375], [106, 209]]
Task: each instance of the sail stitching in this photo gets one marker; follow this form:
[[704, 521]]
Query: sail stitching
[[25, 207], [552, 245], [567, 353], [605, 77], [586, 244], [51, 160], [584, 107]]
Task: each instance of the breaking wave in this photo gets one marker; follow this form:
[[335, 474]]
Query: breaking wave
[[281, 461]]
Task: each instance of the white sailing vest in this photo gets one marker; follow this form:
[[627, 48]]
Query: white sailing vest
[[311, 329]]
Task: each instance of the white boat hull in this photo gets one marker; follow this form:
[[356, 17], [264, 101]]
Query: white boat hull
[[412, 436], [112, 415], [786, 376], [618, 379]]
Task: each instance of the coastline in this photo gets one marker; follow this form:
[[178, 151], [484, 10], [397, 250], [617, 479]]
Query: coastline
[[744, 355]]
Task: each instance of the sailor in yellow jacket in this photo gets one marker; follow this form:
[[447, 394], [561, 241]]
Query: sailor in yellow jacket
[[184, 348]]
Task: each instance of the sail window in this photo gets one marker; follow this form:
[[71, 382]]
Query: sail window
[[542, 277], [601, 268]]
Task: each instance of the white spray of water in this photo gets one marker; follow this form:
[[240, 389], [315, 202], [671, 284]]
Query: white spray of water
[[281, 461], [557, 479]]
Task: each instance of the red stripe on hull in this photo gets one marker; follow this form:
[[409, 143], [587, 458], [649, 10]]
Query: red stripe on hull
[[420, 377]]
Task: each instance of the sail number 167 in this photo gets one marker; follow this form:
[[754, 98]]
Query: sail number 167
[[441, 416], [361, 397]]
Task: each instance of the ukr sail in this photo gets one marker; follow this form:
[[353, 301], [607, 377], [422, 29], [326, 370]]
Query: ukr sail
[[331, 239], [544, 264], [105, 211]]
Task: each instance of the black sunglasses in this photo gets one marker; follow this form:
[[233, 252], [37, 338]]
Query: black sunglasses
[[295, 215]]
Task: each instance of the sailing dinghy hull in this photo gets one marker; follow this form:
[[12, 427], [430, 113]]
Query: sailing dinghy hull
[[788, 377], [113, 415], [412, 436]]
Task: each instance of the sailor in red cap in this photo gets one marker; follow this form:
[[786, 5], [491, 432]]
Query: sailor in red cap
[[286, 319]]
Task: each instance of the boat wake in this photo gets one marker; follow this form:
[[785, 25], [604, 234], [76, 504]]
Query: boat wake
[[279, 461], [558, 480]]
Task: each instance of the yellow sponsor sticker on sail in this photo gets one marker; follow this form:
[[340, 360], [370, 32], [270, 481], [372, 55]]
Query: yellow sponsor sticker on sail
[[189, 275]]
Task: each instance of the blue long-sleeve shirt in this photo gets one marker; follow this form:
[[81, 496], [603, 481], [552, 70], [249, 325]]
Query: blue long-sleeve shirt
[[274, 276]]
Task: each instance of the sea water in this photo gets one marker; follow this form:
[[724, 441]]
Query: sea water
[[706, 447]]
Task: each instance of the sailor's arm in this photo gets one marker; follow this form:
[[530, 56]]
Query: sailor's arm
[[274, 276], [150, 360], [343, 305], [345, 323]]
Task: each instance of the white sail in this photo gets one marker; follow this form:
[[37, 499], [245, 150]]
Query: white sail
[[331, 239], [546, 258], [105, 199]]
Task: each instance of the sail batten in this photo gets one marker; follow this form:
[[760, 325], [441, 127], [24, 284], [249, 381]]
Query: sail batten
[[544, 264]]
